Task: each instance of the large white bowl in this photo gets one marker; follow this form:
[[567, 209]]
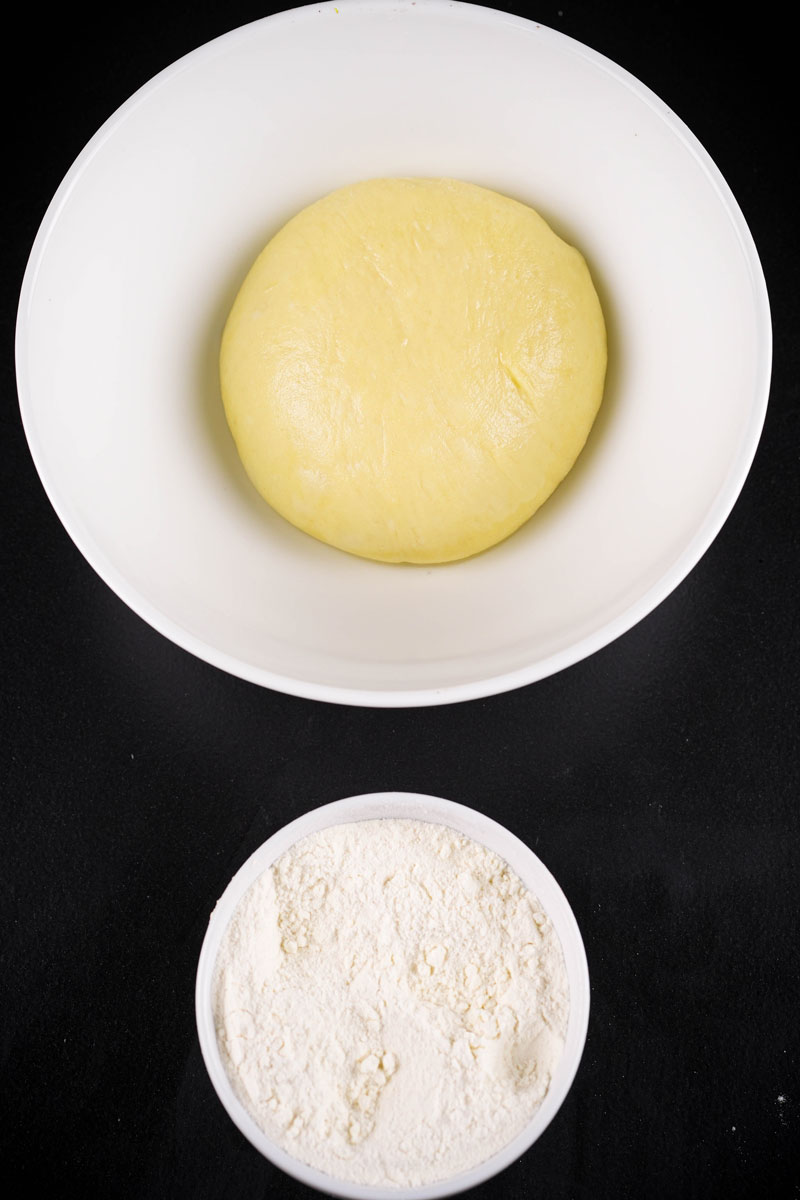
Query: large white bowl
[[536, 877], [148, 238]]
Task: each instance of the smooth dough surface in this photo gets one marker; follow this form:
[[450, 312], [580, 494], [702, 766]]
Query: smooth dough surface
[[411, 367]]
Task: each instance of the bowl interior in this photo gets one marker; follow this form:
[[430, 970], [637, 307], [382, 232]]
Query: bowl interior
[[147, 241], [533, 874]]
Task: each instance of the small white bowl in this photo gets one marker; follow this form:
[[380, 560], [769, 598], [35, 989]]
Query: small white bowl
[[149, 236], [533, 874]]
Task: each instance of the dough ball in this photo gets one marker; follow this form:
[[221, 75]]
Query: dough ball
[[411, 367]]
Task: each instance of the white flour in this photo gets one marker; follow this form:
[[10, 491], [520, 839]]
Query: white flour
[[390, 1002]]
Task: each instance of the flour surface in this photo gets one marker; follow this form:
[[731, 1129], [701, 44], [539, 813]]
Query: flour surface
[[390, 1002]]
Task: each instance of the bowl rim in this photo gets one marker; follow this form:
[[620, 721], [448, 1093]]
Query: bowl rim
[[411, 806], [493, 684]]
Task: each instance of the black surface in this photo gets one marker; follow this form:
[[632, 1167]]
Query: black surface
[[658, 779]]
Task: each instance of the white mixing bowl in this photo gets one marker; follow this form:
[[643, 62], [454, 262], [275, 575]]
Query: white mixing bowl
[[147, 240]]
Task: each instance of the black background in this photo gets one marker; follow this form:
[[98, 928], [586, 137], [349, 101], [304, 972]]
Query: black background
[[658, 779]]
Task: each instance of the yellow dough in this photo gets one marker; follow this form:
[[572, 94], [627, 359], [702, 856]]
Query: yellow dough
[[412, 366]]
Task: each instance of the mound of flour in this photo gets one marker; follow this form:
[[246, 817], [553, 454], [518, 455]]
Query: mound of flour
[[390, 1002]]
